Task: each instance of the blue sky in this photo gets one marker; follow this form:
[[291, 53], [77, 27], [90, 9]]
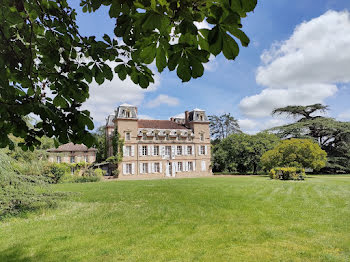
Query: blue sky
[[299, 54]]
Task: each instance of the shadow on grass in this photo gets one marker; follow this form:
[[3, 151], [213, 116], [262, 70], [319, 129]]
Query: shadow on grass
[[20, 253]]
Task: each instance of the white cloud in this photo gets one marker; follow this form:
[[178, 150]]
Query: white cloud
[[106, 97], [305, 68], [163, 99], [247, 124]]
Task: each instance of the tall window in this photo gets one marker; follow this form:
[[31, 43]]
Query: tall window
[[127, 150], [156, 150], [168, 150], [72, 159], [86, 159], [190, 166], [179, 150], [189, 150], [58, 158], [128, 168], [144, 151], [202, 137], [145, 168], [202, 150], [144, 136], [167, 137], [156, 167], [127, 136], [179, 166]]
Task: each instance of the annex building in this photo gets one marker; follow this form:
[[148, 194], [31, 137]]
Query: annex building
[[178, 147]]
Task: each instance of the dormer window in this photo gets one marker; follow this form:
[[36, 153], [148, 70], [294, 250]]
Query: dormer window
[[201, 118], [127, 114], [144, 136]]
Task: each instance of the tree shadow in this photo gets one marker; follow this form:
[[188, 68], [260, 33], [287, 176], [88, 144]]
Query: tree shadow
[[19, 253]]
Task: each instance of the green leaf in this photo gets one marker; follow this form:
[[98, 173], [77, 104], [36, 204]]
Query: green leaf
[[174, 60], [249, 5], [197, 68], [148, 53], [215, 41], [107, 72], [143, 81], [160, 59], [240, 35], [230, 47], [60, 101], [184, 70]]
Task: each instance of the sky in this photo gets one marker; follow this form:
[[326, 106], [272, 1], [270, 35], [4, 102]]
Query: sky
[[299, 55]]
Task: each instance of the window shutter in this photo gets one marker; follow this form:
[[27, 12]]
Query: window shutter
[[194, 165], [152, 167], [132, 151], [124, 153], [141, 171], [148, 150], [183, 150], [152, 150], [133, 168], [206, 150], [199, 150], [140, 150], [185, 166], [173, 152], [174, 168], [160, 167], [203, 165], [124, 169], [193, 151]]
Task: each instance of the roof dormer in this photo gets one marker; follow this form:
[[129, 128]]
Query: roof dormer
[[126, 111]]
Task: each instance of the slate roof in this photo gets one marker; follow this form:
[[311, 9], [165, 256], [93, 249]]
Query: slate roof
[[71, 147], [159, 124]]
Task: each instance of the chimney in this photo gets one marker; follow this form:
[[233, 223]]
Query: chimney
[[187, 116]]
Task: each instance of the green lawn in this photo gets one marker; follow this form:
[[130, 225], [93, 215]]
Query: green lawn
[[203, 219]]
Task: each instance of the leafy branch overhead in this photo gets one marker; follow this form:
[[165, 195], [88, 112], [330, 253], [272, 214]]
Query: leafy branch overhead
[[46, 64]]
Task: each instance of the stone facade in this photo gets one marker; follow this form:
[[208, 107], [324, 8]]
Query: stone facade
[[71, 153], [179, 147]]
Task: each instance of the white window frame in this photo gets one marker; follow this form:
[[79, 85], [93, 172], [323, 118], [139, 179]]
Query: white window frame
[[145, 168], [144, 150], [189, 150], [179, 150], [168, 150], [202, 150], [127, 136], [128, 150], [156, 150], [72, 159], [180, 167], [86, 159], [58, 159], [157, 167], [201, 136], [190, 166], [128, 169]]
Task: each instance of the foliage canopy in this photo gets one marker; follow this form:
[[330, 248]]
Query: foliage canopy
[[46, 64]]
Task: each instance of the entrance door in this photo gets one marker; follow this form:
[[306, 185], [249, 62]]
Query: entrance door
[[169, 169]]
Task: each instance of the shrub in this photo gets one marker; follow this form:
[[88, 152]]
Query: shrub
[[19, 192], [88, 175], [54, 172], [287, 173]]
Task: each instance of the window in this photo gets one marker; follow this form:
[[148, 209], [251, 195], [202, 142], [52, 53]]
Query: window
[[72, 159], [202, 137], [127, 136], [144, 151], [190, 166], [58, 158], [145, 168], [144, 136], [156, 151], [201, 118], [167, 137], [203, 166], [86, 159], [179, 166], [156, 167], [128, 151], [179, 150], [202, 150], [167, 150], [189, 150], [128, 168], [156, 137]]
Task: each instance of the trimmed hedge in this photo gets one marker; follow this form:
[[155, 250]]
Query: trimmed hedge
[[287, 173]]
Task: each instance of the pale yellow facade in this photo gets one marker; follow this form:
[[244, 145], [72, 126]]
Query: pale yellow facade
[[161, 148], [70, 153]]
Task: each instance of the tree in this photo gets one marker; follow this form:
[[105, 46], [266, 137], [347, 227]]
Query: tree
[[46, 64], [242, 152], [223, 126], [303, 153], [332, 136], [100, 138]]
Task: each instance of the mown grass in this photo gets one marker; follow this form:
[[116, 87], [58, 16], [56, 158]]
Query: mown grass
[[203, 219]]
